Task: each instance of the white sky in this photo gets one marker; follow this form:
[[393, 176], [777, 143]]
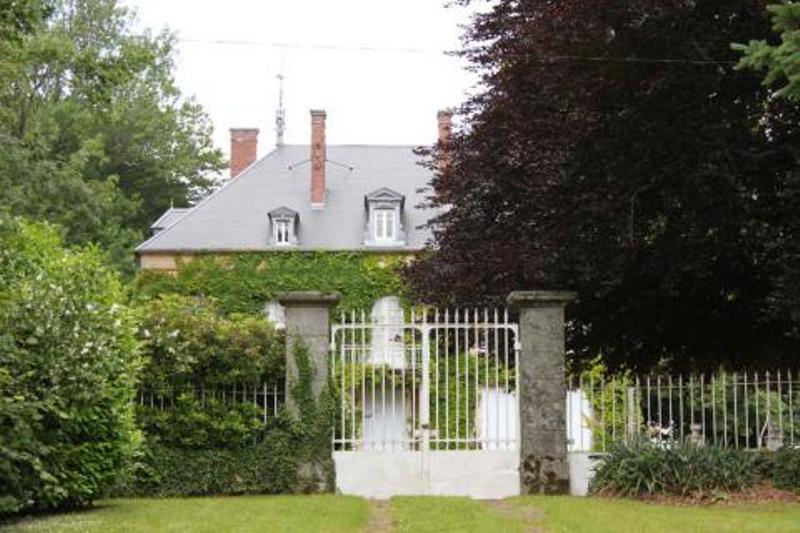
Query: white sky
[[379, 97]]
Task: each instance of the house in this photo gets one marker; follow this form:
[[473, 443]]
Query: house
[[332, 198], [313, 197]]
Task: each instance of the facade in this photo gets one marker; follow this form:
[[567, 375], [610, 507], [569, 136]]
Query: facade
[[360, 198]]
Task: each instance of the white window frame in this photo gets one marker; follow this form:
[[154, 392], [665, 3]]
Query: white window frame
[[384, 224], [283, 231]]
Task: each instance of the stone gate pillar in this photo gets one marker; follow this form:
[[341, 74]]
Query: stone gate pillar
[[307, 321], [543, 465]]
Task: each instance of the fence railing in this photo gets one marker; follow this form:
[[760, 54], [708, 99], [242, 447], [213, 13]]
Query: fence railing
[[749, 410], [266, 398], [430, 380]]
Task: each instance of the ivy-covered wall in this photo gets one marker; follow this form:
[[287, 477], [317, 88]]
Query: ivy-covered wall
[[204, 325], [194, 448], [244, 282]]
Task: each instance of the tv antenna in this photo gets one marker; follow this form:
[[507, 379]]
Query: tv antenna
[[280, 114]]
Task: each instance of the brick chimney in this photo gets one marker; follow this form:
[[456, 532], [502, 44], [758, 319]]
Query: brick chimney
[[445, 120], [318, 158], [244, 149]]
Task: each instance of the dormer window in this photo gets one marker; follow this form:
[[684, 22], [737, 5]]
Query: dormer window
[[284, 227], [384, 219]]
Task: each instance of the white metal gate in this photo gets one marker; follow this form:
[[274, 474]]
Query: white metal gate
[[427, 403]]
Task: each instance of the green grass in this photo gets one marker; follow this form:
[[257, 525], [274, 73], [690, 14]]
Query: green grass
[[434, 515], [276, 514], [340, 514], [601, 514]]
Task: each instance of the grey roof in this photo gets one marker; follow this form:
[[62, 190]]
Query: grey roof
[[236, 217], [169, 217]]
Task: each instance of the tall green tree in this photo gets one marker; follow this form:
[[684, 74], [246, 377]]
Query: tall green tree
[[613, 149], [95, 134], [780, 60]]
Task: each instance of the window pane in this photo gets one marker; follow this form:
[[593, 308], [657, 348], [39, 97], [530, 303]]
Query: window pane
[[282, 232], [379, 225], [390, 225], [384, 224]]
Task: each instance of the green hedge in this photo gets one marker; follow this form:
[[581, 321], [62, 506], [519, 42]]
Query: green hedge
[[214, 447], [269, 468], [188, 423], [243, 283], [68, 358]]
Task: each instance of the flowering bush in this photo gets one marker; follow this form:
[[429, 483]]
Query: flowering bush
[[189, 341], [68, 360]]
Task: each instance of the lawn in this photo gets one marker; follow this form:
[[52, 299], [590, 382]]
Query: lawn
[[276, 514], [336, 514], [601, 514]]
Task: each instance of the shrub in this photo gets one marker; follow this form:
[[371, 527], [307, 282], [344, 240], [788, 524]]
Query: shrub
[[190, 347], [218, 448], [188, 340], [641, 468], [68, 359], [212, 424], [268, 468], [785, 470]]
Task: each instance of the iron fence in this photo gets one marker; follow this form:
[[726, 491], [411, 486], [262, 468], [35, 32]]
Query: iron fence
[[749, 410], [265, 398]]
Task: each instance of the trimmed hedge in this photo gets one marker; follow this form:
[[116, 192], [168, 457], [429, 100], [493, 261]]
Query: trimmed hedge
[[269, 468], [68, 359]]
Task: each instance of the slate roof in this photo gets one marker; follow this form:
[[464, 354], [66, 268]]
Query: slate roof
[[169, 217], [236, 217]]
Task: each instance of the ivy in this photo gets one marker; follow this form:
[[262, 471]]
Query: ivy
[[313, 424], [244, 282], [204, 324], [213, 447]]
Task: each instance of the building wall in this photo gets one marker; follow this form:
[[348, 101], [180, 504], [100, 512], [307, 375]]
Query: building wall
[[163, 262]]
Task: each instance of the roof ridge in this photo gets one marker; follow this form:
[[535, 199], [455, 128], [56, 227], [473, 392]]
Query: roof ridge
[[166, 214]]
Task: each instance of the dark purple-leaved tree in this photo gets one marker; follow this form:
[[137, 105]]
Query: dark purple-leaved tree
[[613, 149]]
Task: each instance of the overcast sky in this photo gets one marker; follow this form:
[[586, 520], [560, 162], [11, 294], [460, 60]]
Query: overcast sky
[[372, 97]]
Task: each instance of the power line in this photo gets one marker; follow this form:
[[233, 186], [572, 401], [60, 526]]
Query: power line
[[646, 60], [316, 46], [410, 50]]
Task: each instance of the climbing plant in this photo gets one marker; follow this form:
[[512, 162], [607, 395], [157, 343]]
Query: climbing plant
[[214, 446], [244, 282]]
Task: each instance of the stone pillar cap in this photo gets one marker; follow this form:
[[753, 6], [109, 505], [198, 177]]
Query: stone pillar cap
[[539, 298], [308, 298]]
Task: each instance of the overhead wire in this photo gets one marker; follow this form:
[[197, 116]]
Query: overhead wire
[[412, 50]]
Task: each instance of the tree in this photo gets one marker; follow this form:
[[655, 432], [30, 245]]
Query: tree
[[782, 63], [68, 361], [95, 135], [615, 151], [780, 60]]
